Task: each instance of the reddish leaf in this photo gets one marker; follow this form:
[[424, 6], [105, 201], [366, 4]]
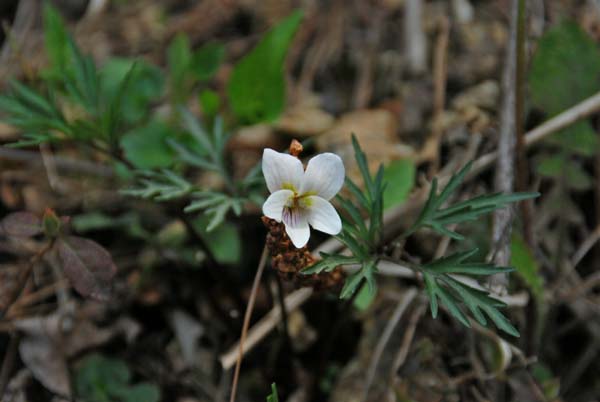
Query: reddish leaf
[[21, 224], [88, 266]]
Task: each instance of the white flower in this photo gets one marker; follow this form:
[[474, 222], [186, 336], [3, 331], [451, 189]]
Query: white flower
[[299, 198]]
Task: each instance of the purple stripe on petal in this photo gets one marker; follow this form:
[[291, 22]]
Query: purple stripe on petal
[[293, 217]]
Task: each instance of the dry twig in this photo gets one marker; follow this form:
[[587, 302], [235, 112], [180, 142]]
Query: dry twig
[[247, 316], [504, 179], [266, 324], [409, 296], [407, 340]]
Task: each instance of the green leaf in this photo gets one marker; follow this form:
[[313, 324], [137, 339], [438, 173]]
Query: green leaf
[[579, 138], [146, 146], [93, 221], [224, 241], [353, 281], [256, 89], [354, 214], [129, 222], [436, 218], [209, 102], [400, 176], [550, 384], [500, 321], [551, 166], [205, 200], [161, 186], [363, 166], [357, 193], [564, 69], [435, 291], [144, 85], [454, 264], [364, 299], [197, 159], [273, 397], [33, 99], [55, 39], [577, 178], [568, 170], [81, 80], [526, 266], [35, 114], [351, 284], [143, 392], [329, 262], [206, 61], [179, 56], [440, 285], [102, 379], [196, 129]]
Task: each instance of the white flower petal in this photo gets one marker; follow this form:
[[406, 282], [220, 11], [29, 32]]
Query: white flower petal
[[323, 217], [296, 225], [324, 176], [273, 206], [281, 170], [299, 236]]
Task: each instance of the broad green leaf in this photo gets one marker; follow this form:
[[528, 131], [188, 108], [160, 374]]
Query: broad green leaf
[[568, 170], [206, 61], [400, 178], [579, 138], [526, 265], [224, 241], [564, 69], [102, 379], [256, 89], [143, 392], [146, 146], [209, 102], [577, 178], [551, 166]]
